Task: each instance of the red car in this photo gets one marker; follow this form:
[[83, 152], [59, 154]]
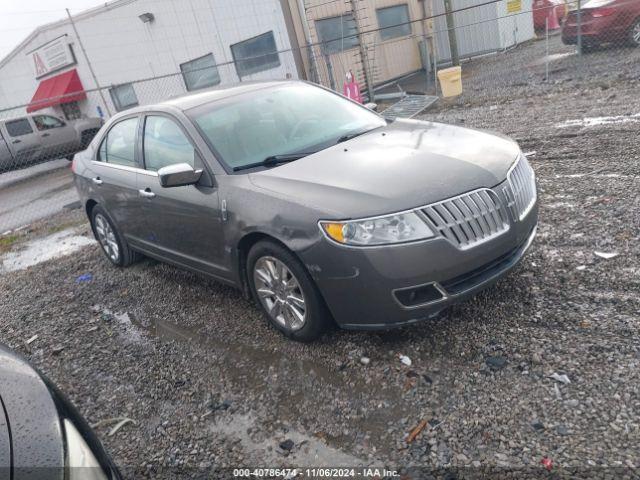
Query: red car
[[604, 21], [548, 8]]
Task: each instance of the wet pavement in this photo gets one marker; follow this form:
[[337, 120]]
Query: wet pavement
[[40, 195]]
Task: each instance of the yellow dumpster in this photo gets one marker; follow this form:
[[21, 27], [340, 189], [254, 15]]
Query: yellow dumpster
[[450, 81]]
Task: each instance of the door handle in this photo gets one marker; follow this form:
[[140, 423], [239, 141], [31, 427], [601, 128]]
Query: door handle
[[146, 193], [46, 134], [97, 180], [17, 141]]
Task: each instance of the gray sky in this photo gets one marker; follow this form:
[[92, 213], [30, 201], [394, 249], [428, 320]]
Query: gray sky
[[18, 18]]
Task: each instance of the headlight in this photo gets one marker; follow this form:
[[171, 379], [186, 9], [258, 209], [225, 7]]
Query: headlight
[[389, 229]]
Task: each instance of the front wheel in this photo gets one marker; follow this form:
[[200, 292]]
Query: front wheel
[[285, 291]]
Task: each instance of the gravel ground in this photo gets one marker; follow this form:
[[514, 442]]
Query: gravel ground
[[210, 385]]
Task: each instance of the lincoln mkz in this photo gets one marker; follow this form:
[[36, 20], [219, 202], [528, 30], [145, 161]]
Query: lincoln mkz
[[317, 207]]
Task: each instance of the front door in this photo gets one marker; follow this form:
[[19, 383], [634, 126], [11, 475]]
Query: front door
[[183, 224], [22, 140], [56, 136]]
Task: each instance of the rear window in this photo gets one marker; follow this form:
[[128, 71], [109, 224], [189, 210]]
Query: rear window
[[17, 128]]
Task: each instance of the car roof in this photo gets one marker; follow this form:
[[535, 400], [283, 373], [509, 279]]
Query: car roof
[[191, 100]]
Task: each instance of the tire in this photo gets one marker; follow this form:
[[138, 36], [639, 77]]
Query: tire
[[110, 239], [70, 157], [86, 137], [634, 33], [278, 308]]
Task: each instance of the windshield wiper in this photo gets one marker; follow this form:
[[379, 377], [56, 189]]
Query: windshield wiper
[[274, 160], [349, 136]]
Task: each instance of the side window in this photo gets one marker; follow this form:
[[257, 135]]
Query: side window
[[119, 146], [165, 144], [45, 122], [17, 128]]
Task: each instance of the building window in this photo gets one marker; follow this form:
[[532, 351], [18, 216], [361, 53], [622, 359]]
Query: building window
[[390, 16], [337, 33], [123, 96], [200, 73], [71, 110], [256, 54], [17, 128]]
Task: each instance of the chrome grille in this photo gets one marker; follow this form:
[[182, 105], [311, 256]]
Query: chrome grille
[[522, 182], [469, 219]]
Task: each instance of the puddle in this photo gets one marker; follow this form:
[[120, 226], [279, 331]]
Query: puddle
[[307, 450], [293, 380], [599, 121], [40, 250]]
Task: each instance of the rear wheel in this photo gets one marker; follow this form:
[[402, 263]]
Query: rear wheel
[[285, 291], [112, 242], [634, 33]]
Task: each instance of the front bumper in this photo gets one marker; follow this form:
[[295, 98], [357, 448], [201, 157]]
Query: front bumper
[[360, 285]]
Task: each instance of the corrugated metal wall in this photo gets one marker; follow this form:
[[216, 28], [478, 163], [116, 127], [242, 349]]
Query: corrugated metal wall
[[483, 29], [476, 29]]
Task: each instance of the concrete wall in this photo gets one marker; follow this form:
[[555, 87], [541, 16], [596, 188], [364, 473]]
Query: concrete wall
[[122, 49]]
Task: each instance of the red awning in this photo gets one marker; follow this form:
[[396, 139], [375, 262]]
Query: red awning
[[63, 88]]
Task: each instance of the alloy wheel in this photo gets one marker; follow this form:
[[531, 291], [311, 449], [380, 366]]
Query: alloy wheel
[[635, 33], [107, 238], [279, 292]]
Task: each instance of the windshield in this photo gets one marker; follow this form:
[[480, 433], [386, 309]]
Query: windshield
[[290, 119]]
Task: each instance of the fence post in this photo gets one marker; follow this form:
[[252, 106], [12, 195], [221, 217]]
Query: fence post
[[580, 27], [302, 11], [546, 58], [451, 30], [332, 81], [363, 53]]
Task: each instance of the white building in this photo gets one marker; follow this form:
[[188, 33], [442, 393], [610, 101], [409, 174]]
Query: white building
[[126, 41]]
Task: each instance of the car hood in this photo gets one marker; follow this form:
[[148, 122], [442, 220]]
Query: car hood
[[403, 165]]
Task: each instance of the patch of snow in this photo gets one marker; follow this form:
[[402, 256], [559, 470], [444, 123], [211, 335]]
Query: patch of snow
[[41, 250], [599, 121]]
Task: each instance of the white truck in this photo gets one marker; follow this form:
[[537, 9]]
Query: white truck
[[40, 137]]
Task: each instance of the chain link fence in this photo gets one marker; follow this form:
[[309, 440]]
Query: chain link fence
[[501, 46]]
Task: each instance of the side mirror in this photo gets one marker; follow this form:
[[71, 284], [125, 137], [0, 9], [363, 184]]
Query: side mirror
[[372, 106], [178, 175]]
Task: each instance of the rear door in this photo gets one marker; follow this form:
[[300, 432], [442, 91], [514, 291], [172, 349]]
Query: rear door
[[57, 137], [183, 224], [113, 177], [22, 140]]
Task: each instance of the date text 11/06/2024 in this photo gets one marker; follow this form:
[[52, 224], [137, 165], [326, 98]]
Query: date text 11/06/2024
[[315, 473]]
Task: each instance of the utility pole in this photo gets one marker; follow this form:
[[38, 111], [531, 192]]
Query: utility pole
[[451, 29], [363, 53], [86, 57]]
